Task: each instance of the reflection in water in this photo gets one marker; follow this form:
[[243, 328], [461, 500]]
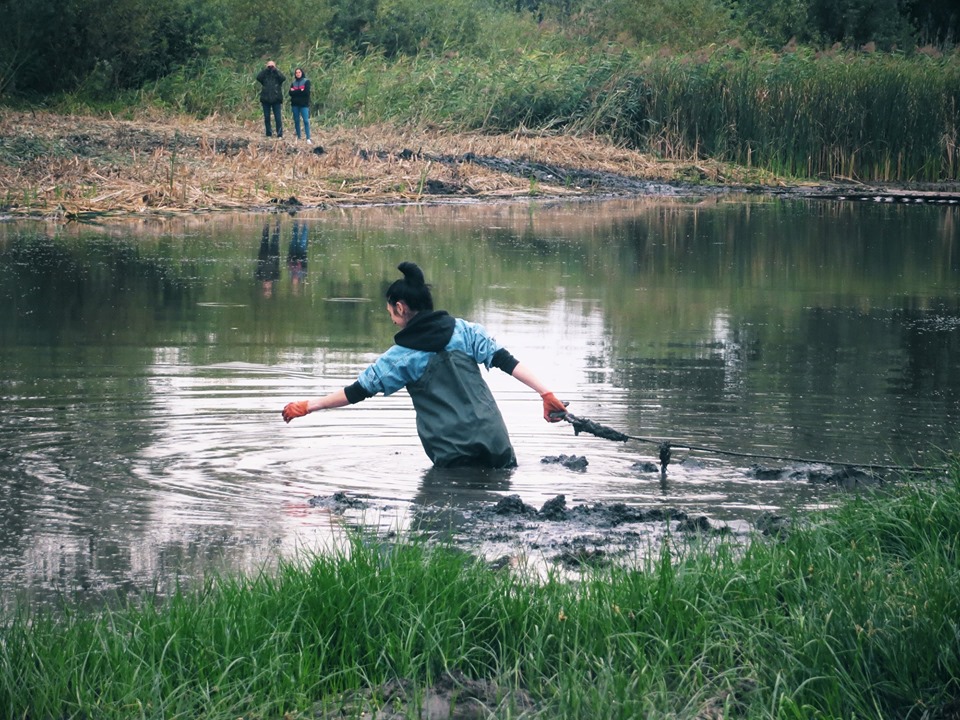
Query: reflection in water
[[462, 486], [297, 254], [268, 258], [445, 494], [141, 437]]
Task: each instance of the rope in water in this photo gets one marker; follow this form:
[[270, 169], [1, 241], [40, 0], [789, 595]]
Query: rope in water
[[665, 446]]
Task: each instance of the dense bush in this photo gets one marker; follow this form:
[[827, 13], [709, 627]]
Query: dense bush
[[100, 46]]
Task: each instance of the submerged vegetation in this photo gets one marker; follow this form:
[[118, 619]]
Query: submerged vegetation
[[853, 613], [862, 89]]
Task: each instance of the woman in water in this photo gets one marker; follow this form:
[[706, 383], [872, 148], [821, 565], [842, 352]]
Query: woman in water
[[436, 357]]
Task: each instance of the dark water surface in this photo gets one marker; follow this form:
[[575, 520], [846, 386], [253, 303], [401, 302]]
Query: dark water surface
[[143, 366]]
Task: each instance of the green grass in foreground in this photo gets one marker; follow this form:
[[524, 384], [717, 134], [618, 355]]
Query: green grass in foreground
[[854, 615]]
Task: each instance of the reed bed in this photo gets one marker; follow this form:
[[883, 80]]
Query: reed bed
[[182, 165], [723, 117], [853, 116], [869, 117], [69, 165], [852, 613]]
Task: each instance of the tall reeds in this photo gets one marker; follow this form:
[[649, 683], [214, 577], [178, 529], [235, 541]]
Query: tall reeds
[[855, 115], [872, 117], [862, 116]]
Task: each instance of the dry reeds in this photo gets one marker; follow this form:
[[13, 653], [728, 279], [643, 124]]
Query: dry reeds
[[73, 165]]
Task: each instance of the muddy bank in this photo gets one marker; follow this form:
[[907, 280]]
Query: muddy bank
[[453, 696], [577, 537], [72, 167]]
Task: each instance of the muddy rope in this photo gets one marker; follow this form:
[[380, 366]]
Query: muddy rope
[[665, 446]]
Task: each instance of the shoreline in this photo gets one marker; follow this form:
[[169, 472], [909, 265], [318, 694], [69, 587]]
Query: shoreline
[[72, 167]]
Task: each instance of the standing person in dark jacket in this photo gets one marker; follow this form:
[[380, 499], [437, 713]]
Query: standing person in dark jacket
[[271, 96], [436, 357], [300, 102]]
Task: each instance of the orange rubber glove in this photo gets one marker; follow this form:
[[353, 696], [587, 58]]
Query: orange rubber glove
[[295, 410], [552, 405]]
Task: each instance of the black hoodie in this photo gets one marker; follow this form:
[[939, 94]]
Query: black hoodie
[[430, 331]]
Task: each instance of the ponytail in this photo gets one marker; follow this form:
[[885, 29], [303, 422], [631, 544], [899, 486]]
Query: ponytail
[[412, 289]]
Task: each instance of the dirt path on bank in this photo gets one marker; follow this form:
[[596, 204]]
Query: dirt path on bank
[[69, 167]]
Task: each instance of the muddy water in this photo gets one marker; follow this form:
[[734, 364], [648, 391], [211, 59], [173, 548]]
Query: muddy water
[[143, 366]]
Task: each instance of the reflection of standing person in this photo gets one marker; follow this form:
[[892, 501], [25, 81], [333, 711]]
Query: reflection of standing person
[[300, 103], [268, 259], [271, 96], [446, 497], [297, 253], [436, 357]]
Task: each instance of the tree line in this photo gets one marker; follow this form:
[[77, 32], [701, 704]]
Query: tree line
[[104, 47]]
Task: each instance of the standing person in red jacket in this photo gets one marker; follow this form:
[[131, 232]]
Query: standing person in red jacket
[[300, 102]]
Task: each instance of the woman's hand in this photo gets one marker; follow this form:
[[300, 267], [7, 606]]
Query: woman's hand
[[295, 410], [553, 409]]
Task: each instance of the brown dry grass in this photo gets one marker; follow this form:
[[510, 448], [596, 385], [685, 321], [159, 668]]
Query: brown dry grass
[[67, 166]]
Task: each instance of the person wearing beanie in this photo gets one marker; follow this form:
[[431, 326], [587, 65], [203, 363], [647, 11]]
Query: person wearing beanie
[[436, 357]]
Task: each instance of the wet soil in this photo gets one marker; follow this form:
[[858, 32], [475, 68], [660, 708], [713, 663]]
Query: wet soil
[[74, 167], [578, 538], [454, 696]]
